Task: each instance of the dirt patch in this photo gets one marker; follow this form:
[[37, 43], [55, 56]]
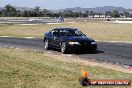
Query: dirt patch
[[73, 59]]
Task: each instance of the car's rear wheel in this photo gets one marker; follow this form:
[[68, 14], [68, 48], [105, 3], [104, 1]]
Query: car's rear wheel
[[46, 45], [64, 48]]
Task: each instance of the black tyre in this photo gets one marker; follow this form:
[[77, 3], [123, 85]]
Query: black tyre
[[64, 49], [46, 44], [94, 51]]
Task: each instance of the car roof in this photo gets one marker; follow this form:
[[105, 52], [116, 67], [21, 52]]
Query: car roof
[[66, 29]]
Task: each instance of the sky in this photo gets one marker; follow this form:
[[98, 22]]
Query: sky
[[61, 4]]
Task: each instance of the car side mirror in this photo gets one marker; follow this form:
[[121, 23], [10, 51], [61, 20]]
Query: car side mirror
[[84, 35]]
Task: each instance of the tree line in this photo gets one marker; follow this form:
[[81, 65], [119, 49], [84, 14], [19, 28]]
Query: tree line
[[10, 11]]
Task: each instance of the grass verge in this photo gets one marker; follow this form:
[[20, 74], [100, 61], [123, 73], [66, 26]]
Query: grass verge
[[97, 30], [27, 69]]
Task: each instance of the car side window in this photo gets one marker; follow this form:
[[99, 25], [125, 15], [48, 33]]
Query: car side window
[[63, 33], [55, 32]]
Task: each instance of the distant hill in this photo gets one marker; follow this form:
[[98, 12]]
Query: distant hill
[[129, 10], [96, 9], [23, 8], [19, 8], [77, 9], [1, 8]]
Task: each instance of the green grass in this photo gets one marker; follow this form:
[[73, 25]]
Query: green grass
[[97, 30], [27, 69]]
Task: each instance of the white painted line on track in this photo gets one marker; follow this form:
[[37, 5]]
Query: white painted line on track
[[115, 41], [28, 24], [6, 36], [17, 48], [16, 37], [70, 22], [29, 37], [122, 22], [53, 23], [49, 52], [68, 55]]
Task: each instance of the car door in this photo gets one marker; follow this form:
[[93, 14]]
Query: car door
[[54, 38], [57, 39]]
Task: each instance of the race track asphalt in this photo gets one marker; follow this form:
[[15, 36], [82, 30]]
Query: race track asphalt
[[116, 53]]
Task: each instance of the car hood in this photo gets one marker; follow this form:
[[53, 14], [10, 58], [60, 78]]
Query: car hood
[[80, 39]]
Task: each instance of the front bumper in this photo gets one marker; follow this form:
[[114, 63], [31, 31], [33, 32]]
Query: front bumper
[[79, 48]]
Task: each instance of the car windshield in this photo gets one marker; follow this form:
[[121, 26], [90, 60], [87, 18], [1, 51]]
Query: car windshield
[[71, 33]]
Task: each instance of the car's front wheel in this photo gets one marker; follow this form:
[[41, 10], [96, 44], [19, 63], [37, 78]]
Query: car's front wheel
[[46, 44], [94, 51], [64, 49]]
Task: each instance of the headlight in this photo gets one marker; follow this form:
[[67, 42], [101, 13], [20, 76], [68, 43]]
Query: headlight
[[93, 43], [74, 43]]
